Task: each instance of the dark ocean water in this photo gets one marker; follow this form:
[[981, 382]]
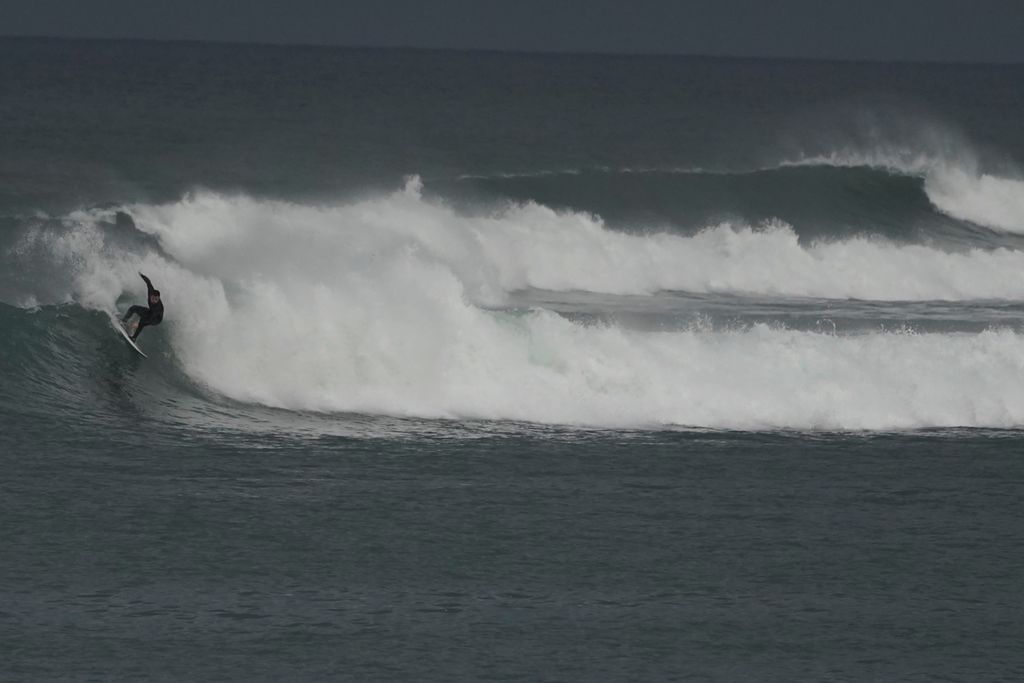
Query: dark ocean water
[[483, 366]]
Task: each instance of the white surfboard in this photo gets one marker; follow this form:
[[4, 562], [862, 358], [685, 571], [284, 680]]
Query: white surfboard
[[116, 324]]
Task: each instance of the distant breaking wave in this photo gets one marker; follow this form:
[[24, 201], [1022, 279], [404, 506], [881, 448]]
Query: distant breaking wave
[[954, 186]]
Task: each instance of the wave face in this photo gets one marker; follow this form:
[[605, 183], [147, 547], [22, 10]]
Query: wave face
[[403, 305]]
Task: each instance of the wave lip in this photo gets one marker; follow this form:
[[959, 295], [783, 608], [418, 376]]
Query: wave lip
[[954, 185], [983, 199]]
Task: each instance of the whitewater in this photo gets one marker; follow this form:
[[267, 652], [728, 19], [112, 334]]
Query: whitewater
[[399, 304]]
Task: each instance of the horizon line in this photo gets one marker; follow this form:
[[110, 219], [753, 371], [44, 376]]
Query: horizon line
[[511, 51]]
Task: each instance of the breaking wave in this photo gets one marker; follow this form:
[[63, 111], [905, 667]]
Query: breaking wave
[[394, 305]]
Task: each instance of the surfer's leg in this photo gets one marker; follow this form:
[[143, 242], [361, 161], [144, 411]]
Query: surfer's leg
[[134, 310], [138, 331]]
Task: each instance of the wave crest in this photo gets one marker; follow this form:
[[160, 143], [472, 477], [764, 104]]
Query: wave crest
[[954, 184]]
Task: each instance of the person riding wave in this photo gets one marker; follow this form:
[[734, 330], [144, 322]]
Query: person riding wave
[[147, 316]]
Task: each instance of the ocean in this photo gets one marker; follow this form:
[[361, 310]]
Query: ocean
[[494, 366]]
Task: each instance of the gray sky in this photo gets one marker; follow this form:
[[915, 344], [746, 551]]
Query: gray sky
[[932, 30]]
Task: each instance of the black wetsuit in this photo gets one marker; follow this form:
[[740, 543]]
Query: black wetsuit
[[147, 316]]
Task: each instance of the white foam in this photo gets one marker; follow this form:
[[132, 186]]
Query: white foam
[[467, 363], [983, 199], [370, 306]]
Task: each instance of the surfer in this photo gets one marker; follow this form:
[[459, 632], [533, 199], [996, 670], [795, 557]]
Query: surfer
[[147, 316]]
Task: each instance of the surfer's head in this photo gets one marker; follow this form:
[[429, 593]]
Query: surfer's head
[[154, 296]]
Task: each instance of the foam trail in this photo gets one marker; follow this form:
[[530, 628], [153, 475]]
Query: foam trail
[[457, 361], [453, 360]]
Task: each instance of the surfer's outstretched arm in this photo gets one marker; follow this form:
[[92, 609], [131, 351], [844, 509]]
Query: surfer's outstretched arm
[[149, 285]]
